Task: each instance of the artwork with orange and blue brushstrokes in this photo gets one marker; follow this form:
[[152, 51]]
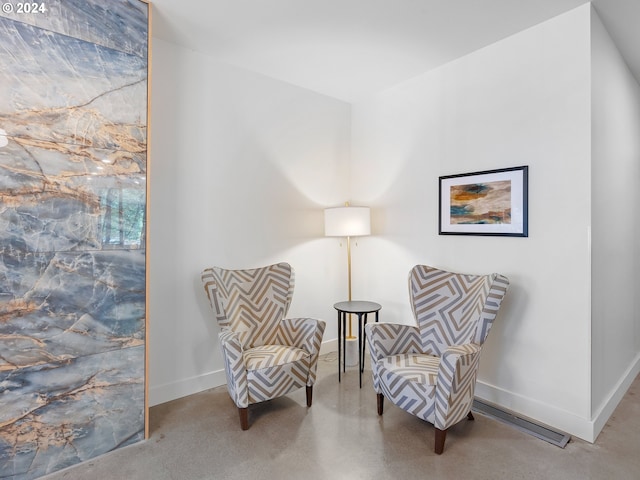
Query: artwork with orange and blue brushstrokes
[[481, 203]]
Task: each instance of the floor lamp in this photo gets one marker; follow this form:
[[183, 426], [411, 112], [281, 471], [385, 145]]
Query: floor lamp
[[348, 222]]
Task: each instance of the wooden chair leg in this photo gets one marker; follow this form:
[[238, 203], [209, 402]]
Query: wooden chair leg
[[244, 418], [470, 416], [309, 395], [441, 435], [380, 403]]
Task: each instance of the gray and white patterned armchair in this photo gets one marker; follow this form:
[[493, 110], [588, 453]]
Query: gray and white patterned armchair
[[265, 354], [430, 370]]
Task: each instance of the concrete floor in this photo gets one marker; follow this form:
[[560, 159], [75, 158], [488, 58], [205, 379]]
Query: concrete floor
[[342, 437]]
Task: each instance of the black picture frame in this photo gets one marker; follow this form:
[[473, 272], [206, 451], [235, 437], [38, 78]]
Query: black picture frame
[[486, 203]]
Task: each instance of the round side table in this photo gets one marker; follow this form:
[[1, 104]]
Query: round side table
[[361, 309]]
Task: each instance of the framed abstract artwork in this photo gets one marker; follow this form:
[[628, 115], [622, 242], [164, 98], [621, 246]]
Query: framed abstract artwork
[[492, 202]]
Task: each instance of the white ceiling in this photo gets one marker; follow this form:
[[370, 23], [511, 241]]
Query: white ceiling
[[349, 49]]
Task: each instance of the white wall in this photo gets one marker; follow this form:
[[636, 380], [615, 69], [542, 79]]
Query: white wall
[[242, 165], [522, 101], [616, 251], [241, 168]]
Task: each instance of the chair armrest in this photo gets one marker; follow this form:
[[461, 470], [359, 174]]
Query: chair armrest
[[235, 371], [386, 339], [304, 333], [455, 385]]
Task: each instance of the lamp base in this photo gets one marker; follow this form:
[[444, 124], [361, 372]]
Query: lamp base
[[351, 352]]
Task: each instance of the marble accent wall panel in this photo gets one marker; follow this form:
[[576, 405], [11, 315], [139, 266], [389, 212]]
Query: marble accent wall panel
[[73, 162]]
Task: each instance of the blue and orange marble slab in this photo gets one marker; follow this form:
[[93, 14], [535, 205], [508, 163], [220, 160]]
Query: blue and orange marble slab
[[73, 162]]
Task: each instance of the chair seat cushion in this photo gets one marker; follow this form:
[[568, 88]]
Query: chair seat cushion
[[274, 370], [411, 367], [268, 356]]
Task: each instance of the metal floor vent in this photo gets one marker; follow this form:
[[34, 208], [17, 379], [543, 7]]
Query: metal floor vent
[[544, 433]]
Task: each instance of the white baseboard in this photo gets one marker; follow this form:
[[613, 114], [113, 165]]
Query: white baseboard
[[602, 415], [171, 391], [587, 429], [329, 346], [536, 411], [184, 387]]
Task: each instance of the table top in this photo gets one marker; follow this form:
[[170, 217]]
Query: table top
[[357, 306]]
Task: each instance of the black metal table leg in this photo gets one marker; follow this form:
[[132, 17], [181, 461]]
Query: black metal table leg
[[360, 346], [339, 343], [344, 342]]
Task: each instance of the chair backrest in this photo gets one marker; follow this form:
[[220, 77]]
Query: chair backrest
[[453, 308], [250, 302]]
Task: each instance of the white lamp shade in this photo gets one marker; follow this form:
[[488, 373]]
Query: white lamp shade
[[347, 221]]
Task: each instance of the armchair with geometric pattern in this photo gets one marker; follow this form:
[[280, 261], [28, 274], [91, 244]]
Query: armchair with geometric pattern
[[265, 354], [430, 369]]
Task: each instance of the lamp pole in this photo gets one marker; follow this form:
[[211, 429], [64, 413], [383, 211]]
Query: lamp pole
[[349, 275]]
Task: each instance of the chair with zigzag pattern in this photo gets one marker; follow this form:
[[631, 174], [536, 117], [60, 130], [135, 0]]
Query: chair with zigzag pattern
[[430, 370], [265, 354]]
